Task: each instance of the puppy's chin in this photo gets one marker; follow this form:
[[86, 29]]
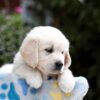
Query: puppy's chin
[[52, 72]]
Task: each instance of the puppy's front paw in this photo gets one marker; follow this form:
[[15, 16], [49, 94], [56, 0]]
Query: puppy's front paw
[[66, 86], [34, 82], [34, 79], [66, 81]]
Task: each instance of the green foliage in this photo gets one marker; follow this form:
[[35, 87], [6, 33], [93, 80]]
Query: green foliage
[[11, 34]]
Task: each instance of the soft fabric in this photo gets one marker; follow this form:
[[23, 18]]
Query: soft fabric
[[14, 88]]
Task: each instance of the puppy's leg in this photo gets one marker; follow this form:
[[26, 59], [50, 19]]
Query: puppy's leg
[[66, 81], [32, 76]]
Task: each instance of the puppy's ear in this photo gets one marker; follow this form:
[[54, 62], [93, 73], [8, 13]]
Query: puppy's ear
[[67, 60], [29, 50]]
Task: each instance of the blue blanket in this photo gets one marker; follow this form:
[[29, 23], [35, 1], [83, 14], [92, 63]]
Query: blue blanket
[[14, 88]]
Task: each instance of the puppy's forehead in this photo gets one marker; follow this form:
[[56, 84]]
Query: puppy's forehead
[[50, 34], [46, 31]]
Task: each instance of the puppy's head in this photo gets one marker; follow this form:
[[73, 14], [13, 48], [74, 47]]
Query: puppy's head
[[47, 49]]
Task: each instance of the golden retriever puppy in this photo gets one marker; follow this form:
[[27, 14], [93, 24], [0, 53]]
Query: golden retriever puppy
[[44, 52]]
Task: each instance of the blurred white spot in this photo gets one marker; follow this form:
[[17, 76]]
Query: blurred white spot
[[7, 68], [82, 1]]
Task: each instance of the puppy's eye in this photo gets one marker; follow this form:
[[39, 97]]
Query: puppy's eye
[[62, 52], [49, 50]]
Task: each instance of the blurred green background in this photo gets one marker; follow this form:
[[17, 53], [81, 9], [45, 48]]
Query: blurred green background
[[79, 20]]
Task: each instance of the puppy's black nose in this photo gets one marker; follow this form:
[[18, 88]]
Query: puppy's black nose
[[58, 65]]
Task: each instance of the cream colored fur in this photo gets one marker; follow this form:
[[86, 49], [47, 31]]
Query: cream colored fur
[[34, 64]]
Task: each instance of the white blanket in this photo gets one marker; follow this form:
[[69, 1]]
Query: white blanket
[[14, 88]]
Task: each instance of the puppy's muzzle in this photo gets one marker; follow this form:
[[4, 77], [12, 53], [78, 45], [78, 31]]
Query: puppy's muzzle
[[58, 65]]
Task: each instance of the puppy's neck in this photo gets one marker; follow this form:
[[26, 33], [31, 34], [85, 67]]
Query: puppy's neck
[[49, 77]]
